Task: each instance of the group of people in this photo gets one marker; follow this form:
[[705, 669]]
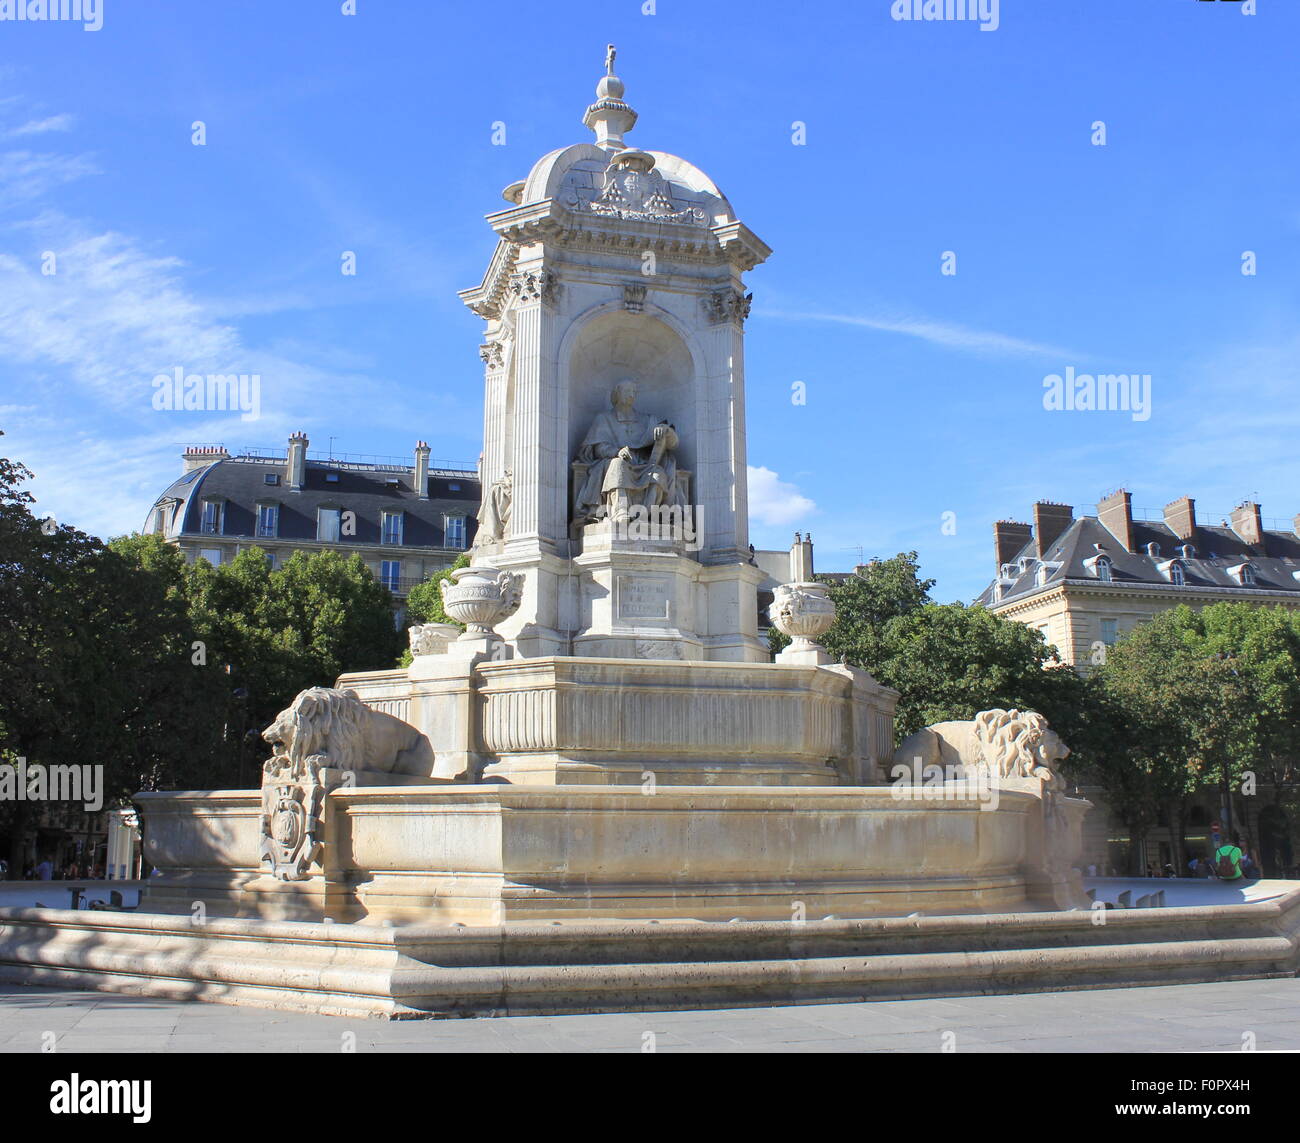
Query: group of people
[[45, 870]]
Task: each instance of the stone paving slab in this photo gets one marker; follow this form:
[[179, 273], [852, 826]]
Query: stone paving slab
[[1178, 1018]]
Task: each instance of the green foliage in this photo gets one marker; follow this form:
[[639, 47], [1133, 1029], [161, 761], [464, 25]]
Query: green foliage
[[123, 655], [424, 603], [947, 660], [1197, 699]]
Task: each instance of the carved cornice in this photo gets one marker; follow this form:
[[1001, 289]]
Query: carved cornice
[[551, 222], [488, 298]]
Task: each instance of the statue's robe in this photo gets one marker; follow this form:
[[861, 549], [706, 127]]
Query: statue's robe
[[644, 482]]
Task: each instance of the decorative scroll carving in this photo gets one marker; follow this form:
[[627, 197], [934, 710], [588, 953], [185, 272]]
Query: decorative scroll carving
[[492, 353]]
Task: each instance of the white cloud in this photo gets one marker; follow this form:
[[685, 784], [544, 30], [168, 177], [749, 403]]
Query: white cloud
[[938, 333], [775, 501]]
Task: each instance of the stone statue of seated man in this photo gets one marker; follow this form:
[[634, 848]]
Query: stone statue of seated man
[[631, 459]]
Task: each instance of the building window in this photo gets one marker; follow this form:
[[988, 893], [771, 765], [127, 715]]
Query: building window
[[1109, 631], [1099, 565], [390, 573], [211, 523], [271, 478], [1177, 576], [160, 519], [392, 528], [270, 560], [331, 478], [453, 487], [1247, 575], [327, 524], [212, 555], [454, 531], [268, 519]]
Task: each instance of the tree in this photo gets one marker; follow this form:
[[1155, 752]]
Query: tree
[[948, 661], [1209, 698], [277, 632]]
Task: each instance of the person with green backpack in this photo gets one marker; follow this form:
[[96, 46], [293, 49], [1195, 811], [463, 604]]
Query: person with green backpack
[[1227, 860]]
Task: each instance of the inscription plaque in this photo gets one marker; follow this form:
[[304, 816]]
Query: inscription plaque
[[640, 598]]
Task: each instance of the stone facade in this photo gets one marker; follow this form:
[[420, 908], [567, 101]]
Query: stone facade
[[404, 520], [1085, 582]]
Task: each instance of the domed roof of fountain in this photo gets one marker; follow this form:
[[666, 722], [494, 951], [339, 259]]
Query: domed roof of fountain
[[611, 179]]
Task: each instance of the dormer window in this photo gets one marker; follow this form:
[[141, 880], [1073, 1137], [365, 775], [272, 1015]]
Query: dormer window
[[1172, 570], [331, 478], [1023, 564], [210, 523], [1244, 574], [1100, 566], [391, 530], [271, 478], [1187, 552], [268, 520], [1153, 550]]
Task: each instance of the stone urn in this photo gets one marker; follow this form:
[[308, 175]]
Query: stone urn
[[432, 638], [803, 612], [480, 597]]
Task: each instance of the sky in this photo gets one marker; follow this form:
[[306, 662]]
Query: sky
[[1098, 173]]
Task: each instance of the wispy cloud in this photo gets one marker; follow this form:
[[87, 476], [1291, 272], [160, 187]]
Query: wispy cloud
[[41, 126], [950, 336], [25, 175]]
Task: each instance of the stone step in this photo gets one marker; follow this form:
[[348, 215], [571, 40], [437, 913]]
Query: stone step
[[638, 966]]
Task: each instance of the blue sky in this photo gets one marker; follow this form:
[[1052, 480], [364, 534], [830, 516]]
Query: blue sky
[[373, 133]]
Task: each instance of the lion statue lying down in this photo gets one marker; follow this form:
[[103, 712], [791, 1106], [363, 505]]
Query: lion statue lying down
[[335, 728], [1010, 743]]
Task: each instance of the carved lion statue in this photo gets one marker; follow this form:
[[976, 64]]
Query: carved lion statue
[[1010, 743], [335, 728]]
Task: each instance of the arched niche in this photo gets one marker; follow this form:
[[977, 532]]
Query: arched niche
[[617, 345]]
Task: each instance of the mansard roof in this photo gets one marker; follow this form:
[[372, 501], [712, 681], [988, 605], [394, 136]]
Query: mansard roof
[[239, 482], [1217, 550]]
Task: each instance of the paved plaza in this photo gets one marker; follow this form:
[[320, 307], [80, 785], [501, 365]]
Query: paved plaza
[[1179, 1018]]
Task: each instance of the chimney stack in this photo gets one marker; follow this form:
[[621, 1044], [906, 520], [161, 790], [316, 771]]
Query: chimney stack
[[1009, 539], [200, 456], [1116, 515], [1050, 522], [1247, 524], [801, 559], [1180, 516], [420, 481], [296, 464]]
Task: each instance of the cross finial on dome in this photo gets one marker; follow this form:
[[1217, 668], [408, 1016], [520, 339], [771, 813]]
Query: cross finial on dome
[[609, 116]]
